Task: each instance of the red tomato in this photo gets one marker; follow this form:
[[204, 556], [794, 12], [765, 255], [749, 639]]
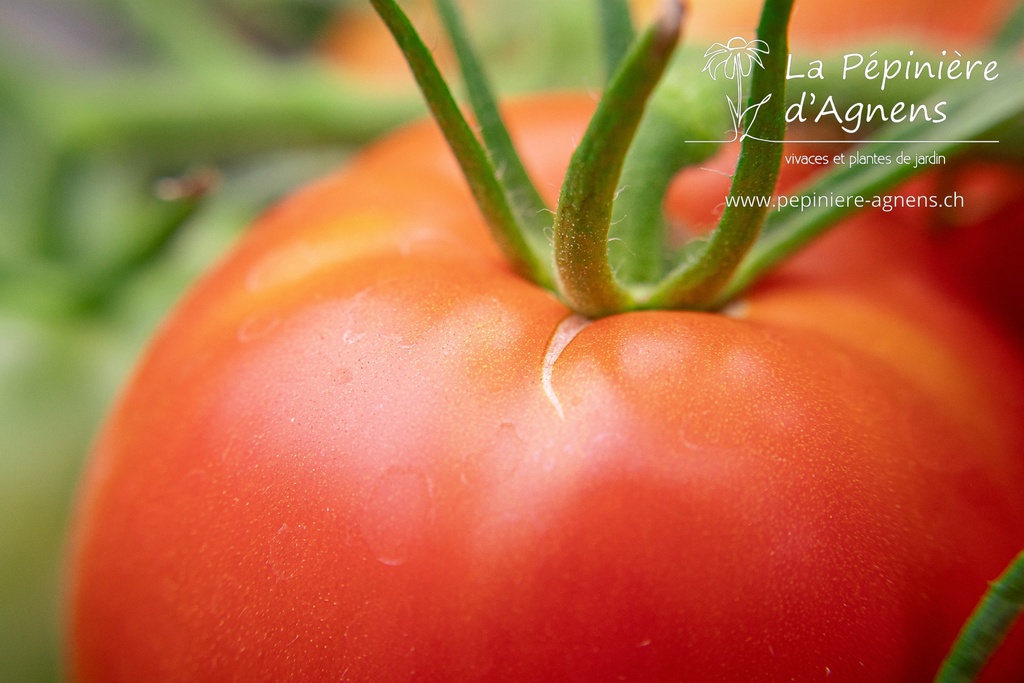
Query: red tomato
[[356, 452], [825, 25], [983, 241]]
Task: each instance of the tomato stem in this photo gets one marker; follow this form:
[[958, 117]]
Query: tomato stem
[[681, 109], [617, 33], [164, 113], [92, 293], [585, 278], [707, 267], [987, 626], [531, 211], [471, 156]]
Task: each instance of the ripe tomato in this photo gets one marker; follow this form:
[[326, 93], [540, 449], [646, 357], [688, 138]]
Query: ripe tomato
[[359, 42], [983, 241], [359, 451], [824, 25]]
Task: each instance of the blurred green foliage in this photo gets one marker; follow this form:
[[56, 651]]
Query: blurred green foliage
[[137, 139]]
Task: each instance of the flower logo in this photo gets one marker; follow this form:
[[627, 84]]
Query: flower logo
[[735, 60]]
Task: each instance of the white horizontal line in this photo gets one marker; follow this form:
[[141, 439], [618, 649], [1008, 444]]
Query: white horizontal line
[[860, 142]]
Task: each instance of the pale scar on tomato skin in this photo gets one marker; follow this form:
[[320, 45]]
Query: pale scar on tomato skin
[[571, 326], [563, 335]]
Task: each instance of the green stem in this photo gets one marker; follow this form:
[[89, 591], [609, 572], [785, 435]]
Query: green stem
[[531, 211], [697, 281], [585, 277], [681, 110], [52, 203], [617, 33], [987, 627], [739, 103], [472, 158]]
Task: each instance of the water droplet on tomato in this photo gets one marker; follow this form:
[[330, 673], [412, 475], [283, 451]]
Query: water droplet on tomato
[[351, 337], [257, 325], [498, 461], [397, 514]]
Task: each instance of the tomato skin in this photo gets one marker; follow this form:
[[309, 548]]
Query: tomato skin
[[983, 242], [826, 25], [339, 461]]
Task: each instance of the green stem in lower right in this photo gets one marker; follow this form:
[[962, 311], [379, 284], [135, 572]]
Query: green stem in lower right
[[987, 627]]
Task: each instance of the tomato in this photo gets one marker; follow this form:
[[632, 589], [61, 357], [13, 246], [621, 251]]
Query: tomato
[[553, 37], [982, 241], [363, 449], [824, 25]]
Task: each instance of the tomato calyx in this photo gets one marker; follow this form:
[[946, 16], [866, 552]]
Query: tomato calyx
[[606, 251], [575, 262], [521, 248], [583, 218], [698, 280]]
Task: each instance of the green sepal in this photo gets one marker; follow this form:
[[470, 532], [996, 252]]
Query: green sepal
[[584, 275], [696, 282], [470, 154], [531, 211], [682, 110], [617, 33]]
